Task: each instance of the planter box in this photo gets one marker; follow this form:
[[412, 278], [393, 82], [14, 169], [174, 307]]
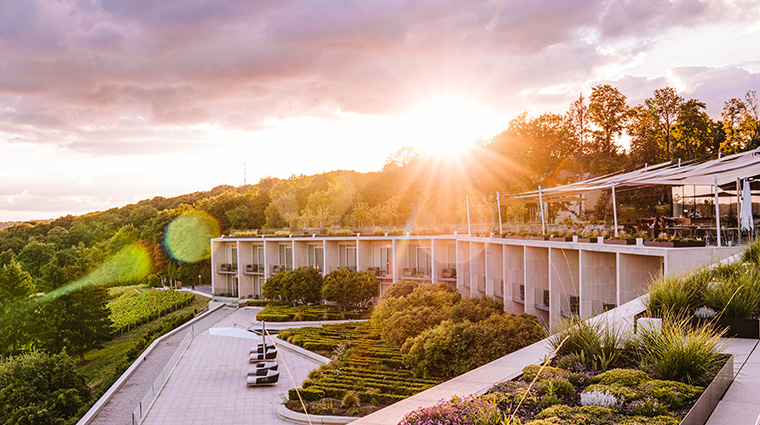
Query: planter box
[[735, 328], [706, 403], [560, 239], [587, 240], [538, 238], [514, 237], [675, 244], [620, 241]]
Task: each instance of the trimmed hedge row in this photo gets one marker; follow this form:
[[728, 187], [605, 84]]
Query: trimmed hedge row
[[274, 313], [371, 368]]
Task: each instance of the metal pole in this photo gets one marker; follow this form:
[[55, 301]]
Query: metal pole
[[614, 209], [717, 209], [498, 205], [738, 213], [541, 202], [469, 229]]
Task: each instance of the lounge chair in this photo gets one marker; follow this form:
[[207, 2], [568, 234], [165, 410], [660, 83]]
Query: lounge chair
[[262, 368], [270, 378]]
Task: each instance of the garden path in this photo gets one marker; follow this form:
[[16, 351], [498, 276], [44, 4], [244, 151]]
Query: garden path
[[208, 385]]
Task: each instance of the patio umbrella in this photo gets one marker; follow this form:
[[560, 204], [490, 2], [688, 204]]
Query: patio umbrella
[[233, 332], [745, 219]]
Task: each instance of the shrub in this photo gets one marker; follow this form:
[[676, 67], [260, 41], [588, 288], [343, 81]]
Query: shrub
[[476, 309], [554, 386], [350, 399], [626, 377], [348, 288], [647, 406], [451, 348], [673, 295], [620, 392], [300, 286], [752, 253], [456, 412], [399, 289], [679, 352], [672, 393], [307, 394], [579, 415], [401, 318], [530, 372], [736, 296], [598, 398], [591, 342]]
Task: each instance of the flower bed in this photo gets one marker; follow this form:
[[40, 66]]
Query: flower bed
[[601, 376], [365, 375]]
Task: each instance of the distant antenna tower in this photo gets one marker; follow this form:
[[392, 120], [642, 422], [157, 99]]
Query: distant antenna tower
[[244, 177]]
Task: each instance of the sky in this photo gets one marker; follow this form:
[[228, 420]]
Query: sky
[[107, 102]]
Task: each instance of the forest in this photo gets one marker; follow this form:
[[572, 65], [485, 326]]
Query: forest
[[54, 274]]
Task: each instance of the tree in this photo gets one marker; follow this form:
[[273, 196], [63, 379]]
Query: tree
[[578, 118], [453, 348], [300, 286], [693, 131], [38, 388], [350, 289], [665, 107], [642, 128], [15, 283], [403, 317], [79, 321], [732, 117], [607, 110]]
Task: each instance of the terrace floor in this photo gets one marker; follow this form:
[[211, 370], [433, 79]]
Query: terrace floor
[[741, 403], [208, 385]]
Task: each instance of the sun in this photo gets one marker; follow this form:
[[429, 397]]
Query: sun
[[448, 126]]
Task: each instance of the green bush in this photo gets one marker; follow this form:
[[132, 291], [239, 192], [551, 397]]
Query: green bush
[[579, 415], [451, 348], [672, 393], [530, 372], [307, 394], [625, 377], [350, 399], [554, 386], [675, 295], [679, 352], [350, 289], [752, 253], [736, 296], [593, 343], [399, 289], [300, 286], [273, 317], [405, 317], [621, 392]]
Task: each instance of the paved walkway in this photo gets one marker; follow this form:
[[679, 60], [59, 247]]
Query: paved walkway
[[118, 409], [741, 403], [208, 386]]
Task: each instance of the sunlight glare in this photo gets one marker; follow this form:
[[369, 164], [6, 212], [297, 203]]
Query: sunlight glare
[[448, 126]]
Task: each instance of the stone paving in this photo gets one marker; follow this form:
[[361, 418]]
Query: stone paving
[[741, 403], [208, 386]]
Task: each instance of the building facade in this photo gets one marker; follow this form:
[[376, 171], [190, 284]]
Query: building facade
[[549, 279]]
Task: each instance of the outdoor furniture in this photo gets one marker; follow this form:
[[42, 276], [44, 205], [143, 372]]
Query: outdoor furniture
[[260, 348], [262, 369], [270, 378], [262, 357]]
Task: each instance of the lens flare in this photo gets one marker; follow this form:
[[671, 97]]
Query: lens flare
[[186, 238]]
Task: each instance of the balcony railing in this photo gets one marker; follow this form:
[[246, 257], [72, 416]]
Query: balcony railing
[[449, 273], [228, 268], [498, 288], [569, 305], [518, 293], [254, 268], [599, 307], [541, 300], [377, 271]]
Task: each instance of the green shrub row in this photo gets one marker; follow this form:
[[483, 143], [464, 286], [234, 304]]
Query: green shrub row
[[373, 397], [308, 313]]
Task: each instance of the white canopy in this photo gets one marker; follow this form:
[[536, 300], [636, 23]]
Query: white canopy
[[727, 169]]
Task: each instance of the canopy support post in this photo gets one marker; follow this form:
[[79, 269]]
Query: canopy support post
[[738, 208], [541, 203], [498, 205], [469, 229], [614, 209], [717, 209]]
